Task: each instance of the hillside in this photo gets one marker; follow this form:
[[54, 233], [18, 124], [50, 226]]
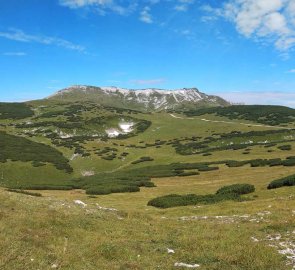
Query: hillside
[[143, 99], [70, 140], [79, 177]]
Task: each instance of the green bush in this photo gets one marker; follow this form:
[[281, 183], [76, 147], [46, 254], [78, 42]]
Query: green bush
[[25, 192], [288, 162], [187, 173], [207, 169], [103, 190], [286, 181], [142, 159], [285, 147], [98, 191], [239, 189], [233, 163], [42, 187], [174, 200], [225, 193], [275, 162], [258, 163]]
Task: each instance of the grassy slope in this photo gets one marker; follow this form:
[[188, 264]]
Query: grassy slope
[[164, 127], [40, 232], [137, 237]]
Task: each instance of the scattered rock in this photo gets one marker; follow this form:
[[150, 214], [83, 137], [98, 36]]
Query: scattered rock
[[257, 218], [87, 173], [254, 239], [80, 203], [180, 264], [170, 251], [106, 208], [285, 245]]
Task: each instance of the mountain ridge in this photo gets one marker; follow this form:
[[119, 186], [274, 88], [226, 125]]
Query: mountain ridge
[[148, 98]]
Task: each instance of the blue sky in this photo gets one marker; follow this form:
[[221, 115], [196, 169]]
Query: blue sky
[[242, 50]]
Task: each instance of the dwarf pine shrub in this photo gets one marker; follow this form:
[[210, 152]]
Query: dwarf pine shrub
[[286, 181]]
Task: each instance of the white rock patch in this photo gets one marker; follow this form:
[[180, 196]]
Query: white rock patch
[[106, 208], [113, 132], [180, 264], [80, 203], [87, 173], [74, 156], [126, 126], [170, 251]]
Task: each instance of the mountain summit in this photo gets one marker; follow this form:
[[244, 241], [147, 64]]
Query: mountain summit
[[148, 99]]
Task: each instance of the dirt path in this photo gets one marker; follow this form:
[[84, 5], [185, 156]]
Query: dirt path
[[228, 122], [118, 168]]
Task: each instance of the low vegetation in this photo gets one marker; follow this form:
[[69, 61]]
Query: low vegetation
[[25, 192], [235, 140], [238, 189], [269, 115], [142, 159], [286, 147], [225, 193], [210, 161], [15, 111], [283, 182], [16, 148]]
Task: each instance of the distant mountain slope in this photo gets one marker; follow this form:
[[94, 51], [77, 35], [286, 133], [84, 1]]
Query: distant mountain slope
[[147, 99]]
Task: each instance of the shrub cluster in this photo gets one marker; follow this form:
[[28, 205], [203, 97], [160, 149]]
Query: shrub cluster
[[290, 161], [109, 184], [21, 149], [225, 193], [15, 110], [239, 189], [25, 192], [187, 173], [142, 159], [286, 181], [42, 187], [208, 169], [269, 115], [286, 147]]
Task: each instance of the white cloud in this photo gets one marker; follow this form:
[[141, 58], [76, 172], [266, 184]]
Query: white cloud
[[183, 5], [101, 5], [186, 32], [249, 97], [145, 15], [14, 54], [291, 70], [19, 35], [82, 3], [264, 20], [148, 82]]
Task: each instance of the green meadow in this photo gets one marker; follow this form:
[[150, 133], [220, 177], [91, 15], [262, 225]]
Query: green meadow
[[75, 198]]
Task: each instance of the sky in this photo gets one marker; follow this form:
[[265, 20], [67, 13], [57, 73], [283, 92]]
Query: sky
[[242, 50]]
